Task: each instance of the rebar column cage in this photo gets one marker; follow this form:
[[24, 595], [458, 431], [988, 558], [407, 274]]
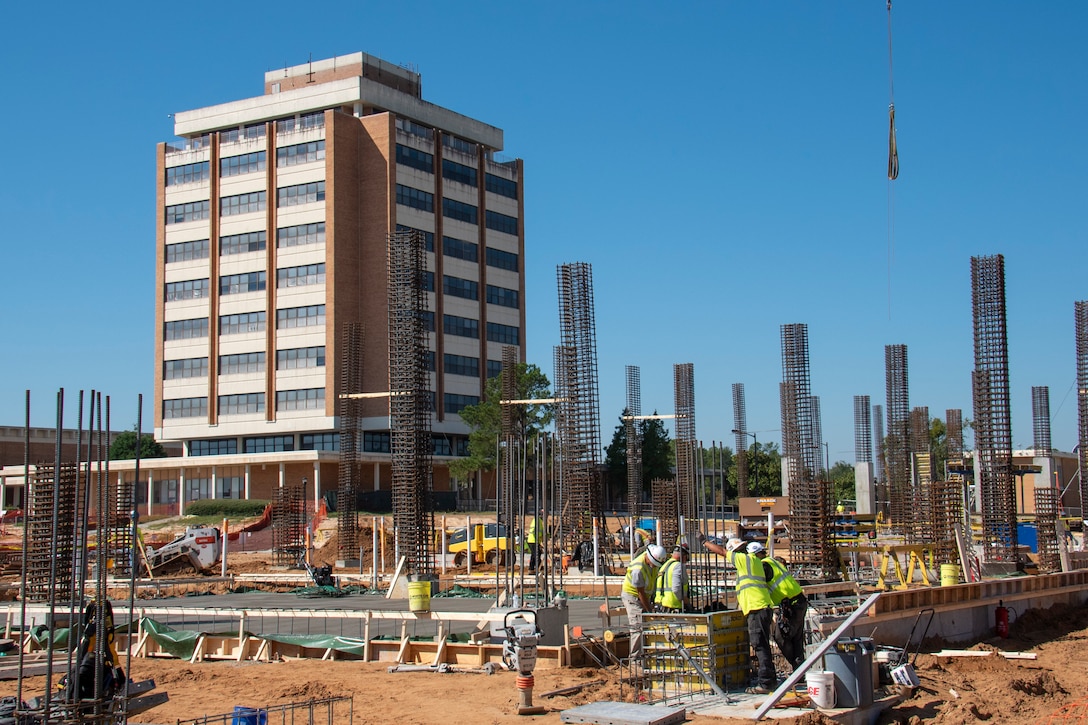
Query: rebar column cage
[[897, 444], [351, 441], [943, 505], [289, 525], [822, 463], [880, 462], [117, 527], [49, 490], [511, 499], [683, 376], [410, 403], [1080, 314], [1046, 528], [633, 433], [1040, 419], [578, 425], [740, 445], [993, 424], [666, 503], [953, 436], [811, 546], [863, 430]]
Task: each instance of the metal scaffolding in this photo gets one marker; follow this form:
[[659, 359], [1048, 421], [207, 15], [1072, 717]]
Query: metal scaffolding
[[351, 441], [1080, 314], [740, 426], [410, 404], [811, 545], [863, 430], [993, 425], [578, 421], [897, 444], [633, 433], [1040, 419]]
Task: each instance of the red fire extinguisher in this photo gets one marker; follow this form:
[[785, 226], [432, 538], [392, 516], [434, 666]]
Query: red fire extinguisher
[[1002, 616]]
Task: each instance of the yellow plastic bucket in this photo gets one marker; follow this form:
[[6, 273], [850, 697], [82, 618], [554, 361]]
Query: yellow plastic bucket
[[950, 575], [419, 596]]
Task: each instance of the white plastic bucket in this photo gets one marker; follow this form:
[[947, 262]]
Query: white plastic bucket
[[821, 688]]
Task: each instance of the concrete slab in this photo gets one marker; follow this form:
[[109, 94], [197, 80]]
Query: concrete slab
[[624, 713], [746, 705]]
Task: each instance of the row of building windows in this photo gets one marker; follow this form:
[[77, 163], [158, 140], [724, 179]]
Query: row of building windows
[[501, 222], [501, 186], [428, 281], [459, 143], [242, 243], [294, 236], [188, 173], [302, 153], [251, 131], [415, 159], [415, 198], [463, 288], [456, 402], [303, 122], [249, 203], [300, 276], [246, 362], [245, 403], [458, 210], [246, 322], [502, 296], [308, 357], [458, 172], [462, 365], [505, 334], [459, 249], [240, 283], [242, 164], [190, 289], [499, 259]]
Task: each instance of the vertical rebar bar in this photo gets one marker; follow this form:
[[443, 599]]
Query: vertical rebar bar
[[740, 425]]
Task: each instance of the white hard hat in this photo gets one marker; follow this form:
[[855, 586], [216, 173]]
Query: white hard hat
[[657, 554], [733, 544], [755, 547]]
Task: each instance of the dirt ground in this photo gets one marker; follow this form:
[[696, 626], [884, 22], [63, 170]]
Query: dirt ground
[[953, 691]]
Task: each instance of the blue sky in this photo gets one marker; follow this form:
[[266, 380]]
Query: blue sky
[[720, 164]]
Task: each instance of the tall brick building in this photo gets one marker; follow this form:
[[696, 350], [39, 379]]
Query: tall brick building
[[273, 214]]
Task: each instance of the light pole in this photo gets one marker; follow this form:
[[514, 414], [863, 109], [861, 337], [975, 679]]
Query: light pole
[[755, 441]]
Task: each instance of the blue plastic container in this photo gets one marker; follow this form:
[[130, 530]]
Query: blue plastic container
[[249, 716], [1027, 535]]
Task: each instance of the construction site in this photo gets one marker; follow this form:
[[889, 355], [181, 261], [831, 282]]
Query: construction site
[[924, 603]]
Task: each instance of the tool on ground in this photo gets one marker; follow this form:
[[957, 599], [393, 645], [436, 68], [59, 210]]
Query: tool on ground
[[903, 670], [519, 655]]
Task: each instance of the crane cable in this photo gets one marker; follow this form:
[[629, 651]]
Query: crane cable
[[893, 160]]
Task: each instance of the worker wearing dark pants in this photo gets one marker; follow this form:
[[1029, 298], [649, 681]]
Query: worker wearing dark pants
[[533, 538], [787, 595], [754, 600]]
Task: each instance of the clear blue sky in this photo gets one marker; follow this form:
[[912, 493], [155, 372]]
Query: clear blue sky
[[720, 164]]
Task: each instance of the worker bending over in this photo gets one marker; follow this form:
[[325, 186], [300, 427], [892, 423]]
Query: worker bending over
[[672, 582], [786, 594], [754, 600], [637, 594]]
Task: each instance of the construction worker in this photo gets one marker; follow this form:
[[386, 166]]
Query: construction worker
[[638, 590], [754, 600], [672, 589], [533, 538], [786, 594]]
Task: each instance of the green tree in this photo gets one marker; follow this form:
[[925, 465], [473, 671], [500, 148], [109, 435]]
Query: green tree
[[938, 447], [657, 454], [764, 471], [485, 419], [123, 447], [842, 482]]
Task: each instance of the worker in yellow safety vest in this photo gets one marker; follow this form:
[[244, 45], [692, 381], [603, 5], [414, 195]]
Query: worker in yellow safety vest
[[533, 538], [672, 582], [787, 595], [754, 600], [637, 592]]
